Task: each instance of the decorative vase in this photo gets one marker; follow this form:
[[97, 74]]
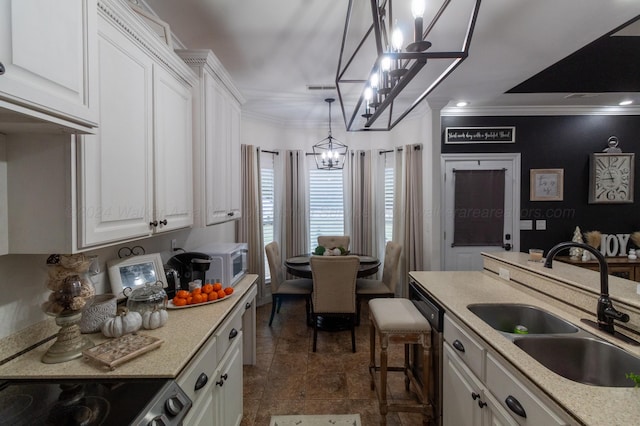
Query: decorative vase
[[71, 293]]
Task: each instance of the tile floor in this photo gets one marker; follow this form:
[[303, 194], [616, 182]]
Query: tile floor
[[289, 378]]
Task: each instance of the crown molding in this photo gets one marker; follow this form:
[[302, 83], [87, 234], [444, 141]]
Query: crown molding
[[541, 110]]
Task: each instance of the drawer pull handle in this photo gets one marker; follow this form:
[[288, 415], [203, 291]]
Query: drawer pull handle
[[201, 381], [514, 405], [233, 333], [458, 345], [222, 380]]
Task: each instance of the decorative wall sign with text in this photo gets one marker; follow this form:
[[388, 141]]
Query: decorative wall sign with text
[[462, 135]]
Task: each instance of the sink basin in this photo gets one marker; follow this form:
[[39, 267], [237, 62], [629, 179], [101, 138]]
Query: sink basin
[[582, 359], [506, 317]]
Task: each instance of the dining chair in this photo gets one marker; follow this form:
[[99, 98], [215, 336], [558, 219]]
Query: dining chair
[[367, 289], [282, 288], [332, 241], [334, 291]]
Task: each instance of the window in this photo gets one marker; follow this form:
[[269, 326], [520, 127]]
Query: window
[[389, 193], [388, 202], [267, 188], [326, 204]]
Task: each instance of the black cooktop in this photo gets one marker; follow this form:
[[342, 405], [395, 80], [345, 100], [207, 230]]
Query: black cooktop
[[77, 402]]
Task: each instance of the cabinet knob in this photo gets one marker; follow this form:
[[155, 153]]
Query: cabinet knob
[[201, 381], [154, 223], [163, 222], [230, 214], [233, 333], [222, 380], [515, 406], [458, 345], [248, 305], [1, 68]]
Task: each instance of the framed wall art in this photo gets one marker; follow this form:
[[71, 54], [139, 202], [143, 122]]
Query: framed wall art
[[135, 271], [546, 184]]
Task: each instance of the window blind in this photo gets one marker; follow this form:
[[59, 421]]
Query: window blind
[[326, 204]]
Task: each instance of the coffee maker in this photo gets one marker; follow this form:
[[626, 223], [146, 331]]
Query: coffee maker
[[183, 268]]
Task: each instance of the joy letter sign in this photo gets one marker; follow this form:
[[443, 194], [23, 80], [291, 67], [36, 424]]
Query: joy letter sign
[[614, 244]]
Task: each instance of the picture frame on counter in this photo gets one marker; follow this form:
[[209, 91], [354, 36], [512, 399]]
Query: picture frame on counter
[[135, 271], [546, 184]]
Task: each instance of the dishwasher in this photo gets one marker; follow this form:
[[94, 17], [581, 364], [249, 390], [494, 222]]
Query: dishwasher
[[434, 313]]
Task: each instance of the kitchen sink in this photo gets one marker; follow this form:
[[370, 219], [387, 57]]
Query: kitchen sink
[[505, 317], [582, 359]]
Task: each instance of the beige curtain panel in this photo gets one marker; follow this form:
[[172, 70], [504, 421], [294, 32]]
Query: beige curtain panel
[[360, 202], [295, 231]]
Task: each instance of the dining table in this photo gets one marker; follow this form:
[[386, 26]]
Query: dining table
[[299, 265]]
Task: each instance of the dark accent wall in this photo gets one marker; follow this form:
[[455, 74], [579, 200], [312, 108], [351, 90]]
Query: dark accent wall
[[552, 142]]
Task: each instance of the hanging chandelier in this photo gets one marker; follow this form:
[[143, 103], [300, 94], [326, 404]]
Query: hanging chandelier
[[329, 153], [379, 79]]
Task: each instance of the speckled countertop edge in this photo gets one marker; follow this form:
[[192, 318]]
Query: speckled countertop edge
[[185, 332], [590, 405]]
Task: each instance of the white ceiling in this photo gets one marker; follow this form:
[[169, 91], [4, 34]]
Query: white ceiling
[[274, 50]]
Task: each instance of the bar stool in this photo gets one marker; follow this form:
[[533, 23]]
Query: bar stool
[[399, 321]]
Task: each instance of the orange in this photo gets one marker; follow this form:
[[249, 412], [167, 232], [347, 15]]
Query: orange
[[213, 295], [207, 288], [217, 287], [182, 294], [190, 300], [197, 298], [221, 294], [228, 290], [179, 301], [196, 290]]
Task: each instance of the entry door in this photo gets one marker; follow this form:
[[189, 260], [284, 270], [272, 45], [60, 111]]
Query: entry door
[[481, 199]]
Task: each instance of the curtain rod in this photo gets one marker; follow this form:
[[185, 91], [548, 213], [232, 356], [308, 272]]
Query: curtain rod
[[415, 147], [269, 152]]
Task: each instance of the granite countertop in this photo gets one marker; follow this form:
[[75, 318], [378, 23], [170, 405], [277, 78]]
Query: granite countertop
[[184, 333], [590, 405]]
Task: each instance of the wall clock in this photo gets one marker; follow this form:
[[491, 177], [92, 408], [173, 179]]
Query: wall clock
[[611, 178]]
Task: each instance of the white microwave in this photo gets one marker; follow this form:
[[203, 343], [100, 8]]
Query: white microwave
[[228, 262]]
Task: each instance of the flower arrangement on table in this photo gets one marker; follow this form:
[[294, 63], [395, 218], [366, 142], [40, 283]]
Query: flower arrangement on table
[[333, 251]]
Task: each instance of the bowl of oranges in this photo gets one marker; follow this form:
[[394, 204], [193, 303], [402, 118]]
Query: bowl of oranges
[[208, 293]]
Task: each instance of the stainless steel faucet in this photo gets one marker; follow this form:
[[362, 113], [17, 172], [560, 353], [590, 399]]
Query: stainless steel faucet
[[605, 311]]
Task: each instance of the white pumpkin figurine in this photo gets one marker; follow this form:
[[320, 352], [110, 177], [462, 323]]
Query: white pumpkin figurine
[[155, 318], [124, 322]]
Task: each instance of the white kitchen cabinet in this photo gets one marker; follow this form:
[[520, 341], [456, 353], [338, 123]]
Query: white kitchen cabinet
[[136, 174], [173, 177], [477, 385], [217, 141], [115, 166], [47, 52], [213, 379]]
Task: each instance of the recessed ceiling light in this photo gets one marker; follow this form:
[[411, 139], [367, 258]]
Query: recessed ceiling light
[[462, 104], [627, 102]]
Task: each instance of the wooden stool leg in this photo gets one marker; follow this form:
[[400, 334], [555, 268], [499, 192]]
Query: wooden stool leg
[[383, 380], [372, 354], [407, 366]]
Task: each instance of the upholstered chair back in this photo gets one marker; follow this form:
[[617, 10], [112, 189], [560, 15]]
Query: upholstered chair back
[[331, 241], [334, 283], [275, 264]]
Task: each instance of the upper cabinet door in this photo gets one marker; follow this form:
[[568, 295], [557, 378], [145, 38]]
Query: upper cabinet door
[[116, 182], [46, 48], [173, 174]]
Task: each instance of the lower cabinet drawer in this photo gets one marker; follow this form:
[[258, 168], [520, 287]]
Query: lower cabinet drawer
[[467, 348], [229, 331], [198, 377], [525, 407]]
